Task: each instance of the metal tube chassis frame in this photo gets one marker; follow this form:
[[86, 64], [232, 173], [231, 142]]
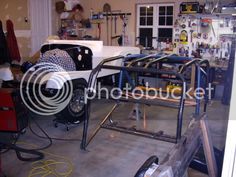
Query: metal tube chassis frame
[[158, 135]]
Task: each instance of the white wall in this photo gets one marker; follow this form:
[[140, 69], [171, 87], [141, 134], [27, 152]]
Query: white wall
[[125, 6], [129, 6]]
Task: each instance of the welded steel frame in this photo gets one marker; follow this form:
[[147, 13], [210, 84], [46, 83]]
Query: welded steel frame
[[130, 68]]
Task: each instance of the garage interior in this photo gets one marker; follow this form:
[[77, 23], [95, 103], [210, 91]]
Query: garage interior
[[140, 88]]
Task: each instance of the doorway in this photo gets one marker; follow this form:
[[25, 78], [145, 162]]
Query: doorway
[[41, 22]]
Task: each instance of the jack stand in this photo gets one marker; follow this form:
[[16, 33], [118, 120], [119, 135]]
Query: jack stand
[[137, 111], [136, 114]]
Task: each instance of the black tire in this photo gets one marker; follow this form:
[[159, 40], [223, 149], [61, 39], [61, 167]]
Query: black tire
[[74, 112]]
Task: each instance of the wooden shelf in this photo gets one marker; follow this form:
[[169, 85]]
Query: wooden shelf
[[96, 21], [206, 15]]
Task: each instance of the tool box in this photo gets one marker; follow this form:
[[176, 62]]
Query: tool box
[[13, 113]]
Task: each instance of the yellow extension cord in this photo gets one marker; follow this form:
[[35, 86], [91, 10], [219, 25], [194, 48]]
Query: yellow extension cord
[[51, 167]]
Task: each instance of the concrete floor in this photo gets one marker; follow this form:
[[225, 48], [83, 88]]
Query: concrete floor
[[113, 154]]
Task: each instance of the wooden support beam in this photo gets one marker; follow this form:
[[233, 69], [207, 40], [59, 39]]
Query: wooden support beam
[[179, 158], [181, 155], [208, 149], [193, 75]]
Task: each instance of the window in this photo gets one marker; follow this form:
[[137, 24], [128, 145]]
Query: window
[[165, 23], [154, 24], [145, 38], [145, 23], [146, 16], [165, 15]]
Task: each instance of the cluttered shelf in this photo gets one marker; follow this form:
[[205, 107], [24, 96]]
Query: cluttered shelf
[[213, 15]]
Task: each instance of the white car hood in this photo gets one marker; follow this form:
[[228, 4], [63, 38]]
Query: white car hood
[[100, 53]]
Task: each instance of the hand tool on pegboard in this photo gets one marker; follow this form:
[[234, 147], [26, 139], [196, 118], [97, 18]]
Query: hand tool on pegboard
[[115, 23], [213, 30], [113, 15], [191, 35], [107, 10], [99, 31], [111, 29], [125, 22]]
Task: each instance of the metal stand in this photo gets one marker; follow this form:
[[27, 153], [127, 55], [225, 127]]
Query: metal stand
[[172, 103]]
